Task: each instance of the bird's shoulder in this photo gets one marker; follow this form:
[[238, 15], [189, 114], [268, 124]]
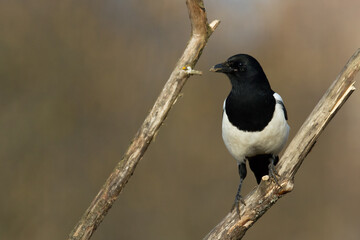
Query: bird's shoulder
[[280, 101]]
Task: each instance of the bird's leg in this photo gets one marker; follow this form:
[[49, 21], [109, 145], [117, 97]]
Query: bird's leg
[[272, 172], [238, 197]]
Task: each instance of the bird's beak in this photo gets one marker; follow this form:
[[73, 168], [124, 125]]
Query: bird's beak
[[221, 67]]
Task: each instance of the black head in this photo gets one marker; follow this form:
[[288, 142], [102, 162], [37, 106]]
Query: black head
[[250, 104], [240, 66]]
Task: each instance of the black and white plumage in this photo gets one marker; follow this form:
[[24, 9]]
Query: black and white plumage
[[254, 124]]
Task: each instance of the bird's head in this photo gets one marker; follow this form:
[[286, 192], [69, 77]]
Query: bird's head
[[240, 66]]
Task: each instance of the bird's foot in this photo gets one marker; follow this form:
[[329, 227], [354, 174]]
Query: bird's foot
[[273, 173], [238, 199]]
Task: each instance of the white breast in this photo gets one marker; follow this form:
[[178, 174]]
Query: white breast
[[271, 140]]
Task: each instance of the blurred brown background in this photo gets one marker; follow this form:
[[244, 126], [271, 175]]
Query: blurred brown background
[[78, 78]]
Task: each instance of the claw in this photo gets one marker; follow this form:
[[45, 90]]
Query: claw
[[238, 199], [273, 173]]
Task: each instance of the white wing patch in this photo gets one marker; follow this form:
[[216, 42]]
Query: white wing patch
[[281, 102], [277, 97]]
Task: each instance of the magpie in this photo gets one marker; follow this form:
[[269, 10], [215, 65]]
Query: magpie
[[254, 122]]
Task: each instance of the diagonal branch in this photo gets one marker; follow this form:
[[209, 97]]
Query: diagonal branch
[[200, 32], [267, 193]]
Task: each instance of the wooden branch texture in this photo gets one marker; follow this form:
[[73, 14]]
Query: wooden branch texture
[[267, 193], [200, 32]]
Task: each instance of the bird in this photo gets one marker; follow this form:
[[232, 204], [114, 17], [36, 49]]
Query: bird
[[254, 121]]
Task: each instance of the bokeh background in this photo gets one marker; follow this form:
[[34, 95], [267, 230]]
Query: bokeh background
[[77, 78]]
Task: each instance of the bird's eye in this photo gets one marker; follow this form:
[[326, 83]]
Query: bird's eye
[[242, 67]]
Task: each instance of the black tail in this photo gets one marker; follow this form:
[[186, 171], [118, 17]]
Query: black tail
[[259, 164]]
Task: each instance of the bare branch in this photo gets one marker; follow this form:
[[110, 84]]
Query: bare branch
[[200, 32], [267, 193]]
